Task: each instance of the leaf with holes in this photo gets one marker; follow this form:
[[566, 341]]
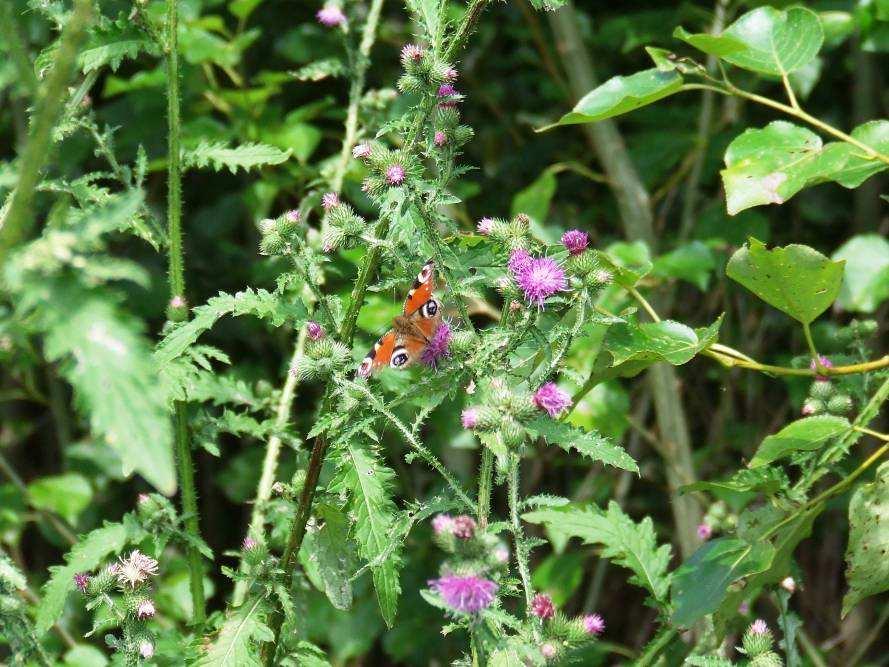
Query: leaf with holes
[[866, 556]]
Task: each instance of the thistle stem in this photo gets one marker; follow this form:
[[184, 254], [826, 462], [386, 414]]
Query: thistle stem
[[484, 487], [521, 552]]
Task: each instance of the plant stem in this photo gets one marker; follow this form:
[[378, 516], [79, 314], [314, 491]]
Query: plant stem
[[484, 487], [658, 644], [807, 332], [730, 360], [185, 465], [19, 219], [18, 51], [644, 303], [521, 554]]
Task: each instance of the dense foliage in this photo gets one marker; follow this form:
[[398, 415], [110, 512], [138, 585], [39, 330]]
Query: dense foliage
[[640, 421]]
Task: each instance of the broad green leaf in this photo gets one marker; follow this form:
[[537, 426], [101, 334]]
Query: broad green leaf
[[795, 279], [328, 551], [89, 552], [628, 263], [700, 584], [770, 165], [866, 556], [110, 45], [763, 479], [242, 9], [535, 199], [67, 495], [237, 644], [627, 543], [693, 262], [620, 95], [591, 444], [805, 434], [651, 342], [84, 655], [765, 40], [866, 280], [245, 156]]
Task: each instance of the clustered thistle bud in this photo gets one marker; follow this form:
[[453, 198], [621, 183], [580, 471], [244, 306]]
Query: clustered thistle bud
[[757, 645], [322, 358], [314, 330], [331, 15], [344, 226], [277, 233], [362, 151], [542, 606]]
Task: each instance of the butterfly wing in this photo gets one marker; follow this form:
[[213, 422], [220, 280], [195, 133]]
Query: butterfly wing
[[422, 289], [380, 355]]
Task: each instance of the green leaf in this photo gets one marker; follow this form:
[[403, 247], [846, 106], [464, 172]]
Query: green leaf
[[651, 342], [763, 479], [239, 637], [369, 484], [628, 263], [765, 40], [245, 156], [67, 495], [328, 552], [627, 543], [805, 434], [866, 280], [86, 555], [591, 444], [795, 279], [770, 165], [700, 584], [535, 199], [110, 45], [867, 565], [693, 262], [620, 95]]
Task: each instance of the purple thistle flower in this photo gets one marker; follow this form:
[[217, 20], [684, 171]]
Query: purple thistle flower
[[540, 279], [145, 610], [469, 418], [142, 498], [593, 624], [704, 531], [438, 345], [314, 330], [361, 151], [412, 52], [249, 544], [330, 200], [825, 363], [442, 523], [575, 241], [450, 74], [552, 399], [464, 527], [331, 15], [440, 139], [758, 627], [82, 580], [293, 216], [465, 594], [519, 259], [485, 226], [395, 174], [542, 606], [447, 90]]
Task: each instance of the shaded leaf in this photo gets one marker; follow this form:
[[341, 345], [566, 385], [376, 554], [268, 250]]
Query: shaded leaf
[[237, 643], [693, 262], [651, 342], [67, 495], [805, 434], [763, 479]]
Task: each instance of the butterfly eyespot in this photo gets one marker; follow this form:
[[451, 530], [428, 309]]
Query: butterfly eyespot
[[364, 369], [424, 274], [399, 358], [430, 308]]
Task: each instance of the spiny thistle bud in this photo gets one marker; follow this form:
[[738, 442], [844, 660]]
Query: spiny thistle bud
[[469, 418], [314, 330], [249, 544], [332, 238], [464, 527], [462, 342], [823, 362], [481, 417], [143, 608], [330, 200], [522, 406], [82, 581], [548, 650], [822, 389], [757, 639], [593, 624], [411, 55], [103, 581], [767, 659], [440, 138], [575, 241], [512, 432], [410, 83], [500, 553], [485, 226], [841, 404], [323, 358], [362, 151], [146, 649], [177, 309], [813, 406], [395, 174]]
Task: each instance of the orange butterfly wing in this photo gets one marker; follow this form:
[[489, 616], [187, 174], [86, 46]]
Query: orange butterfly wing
[[379, 356], [422, 289]]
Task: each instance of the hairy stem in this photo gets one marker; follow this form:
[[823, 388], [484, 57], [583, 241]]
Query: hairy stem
[[484, 487], [19, 219], [521, 552], [184, 463]]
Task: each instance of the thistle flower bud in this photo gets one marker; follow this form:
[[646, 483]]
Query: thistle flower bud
[[542, 606], [144, 609], [331, 16], [593, 624], [813, 406], [822, 389], [177, 309], [485, 226], [362, 151], [522, 406], [82, 581], [841, 404], [789, 585], [103, 581], [146, 649], [462, 342], [553, 400], [395, 174], [704, 531], [575, 241], [314, 330], [824, 362], [512, 432], [758, 638], [548, 650], [411, 54], [440, 138], [484, 418], [464, 527], [330, 200]]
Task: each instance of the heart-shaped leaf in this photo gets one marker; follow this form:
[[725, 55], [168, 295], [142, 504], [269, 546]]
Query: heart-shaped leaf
[[805, 434], [794, 279], [667, 340]]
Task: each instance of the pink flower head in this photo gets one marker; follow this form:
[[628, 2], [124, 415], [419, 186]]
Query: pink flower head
[[540, 279], [809, 408], [395, 174], [438, 346], [145, 610], [447, 90], [136, 569], [440, 138], [314, 330], [146, 649], [704, 531], [469, 418], [575, 241], [542, 606], [249, 544], [552, 399], [501, 553], [178, 301], [330, 15], [361, 151], [142, 498], [825, 363], [443, 524], [758, 627], [485, 226], [464, 527], [593, 624], [519, 259], [411, 53], [82, 580], [293, 215], [330, 200], [466, 594], [450, 74]]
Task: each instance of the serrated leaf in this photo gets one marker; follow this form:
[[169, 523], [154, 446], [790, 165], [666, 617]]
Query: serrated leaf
[[237, 644], [620, 95], [701, 582], [765, 40], [89, 552], [110, 45], [770, 165], [651, 342], [805, 434], [866, 278], [320, 69], [795, 279], [627, 543], [589, 443], [330, 553], [867, 565], [245, 156]]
